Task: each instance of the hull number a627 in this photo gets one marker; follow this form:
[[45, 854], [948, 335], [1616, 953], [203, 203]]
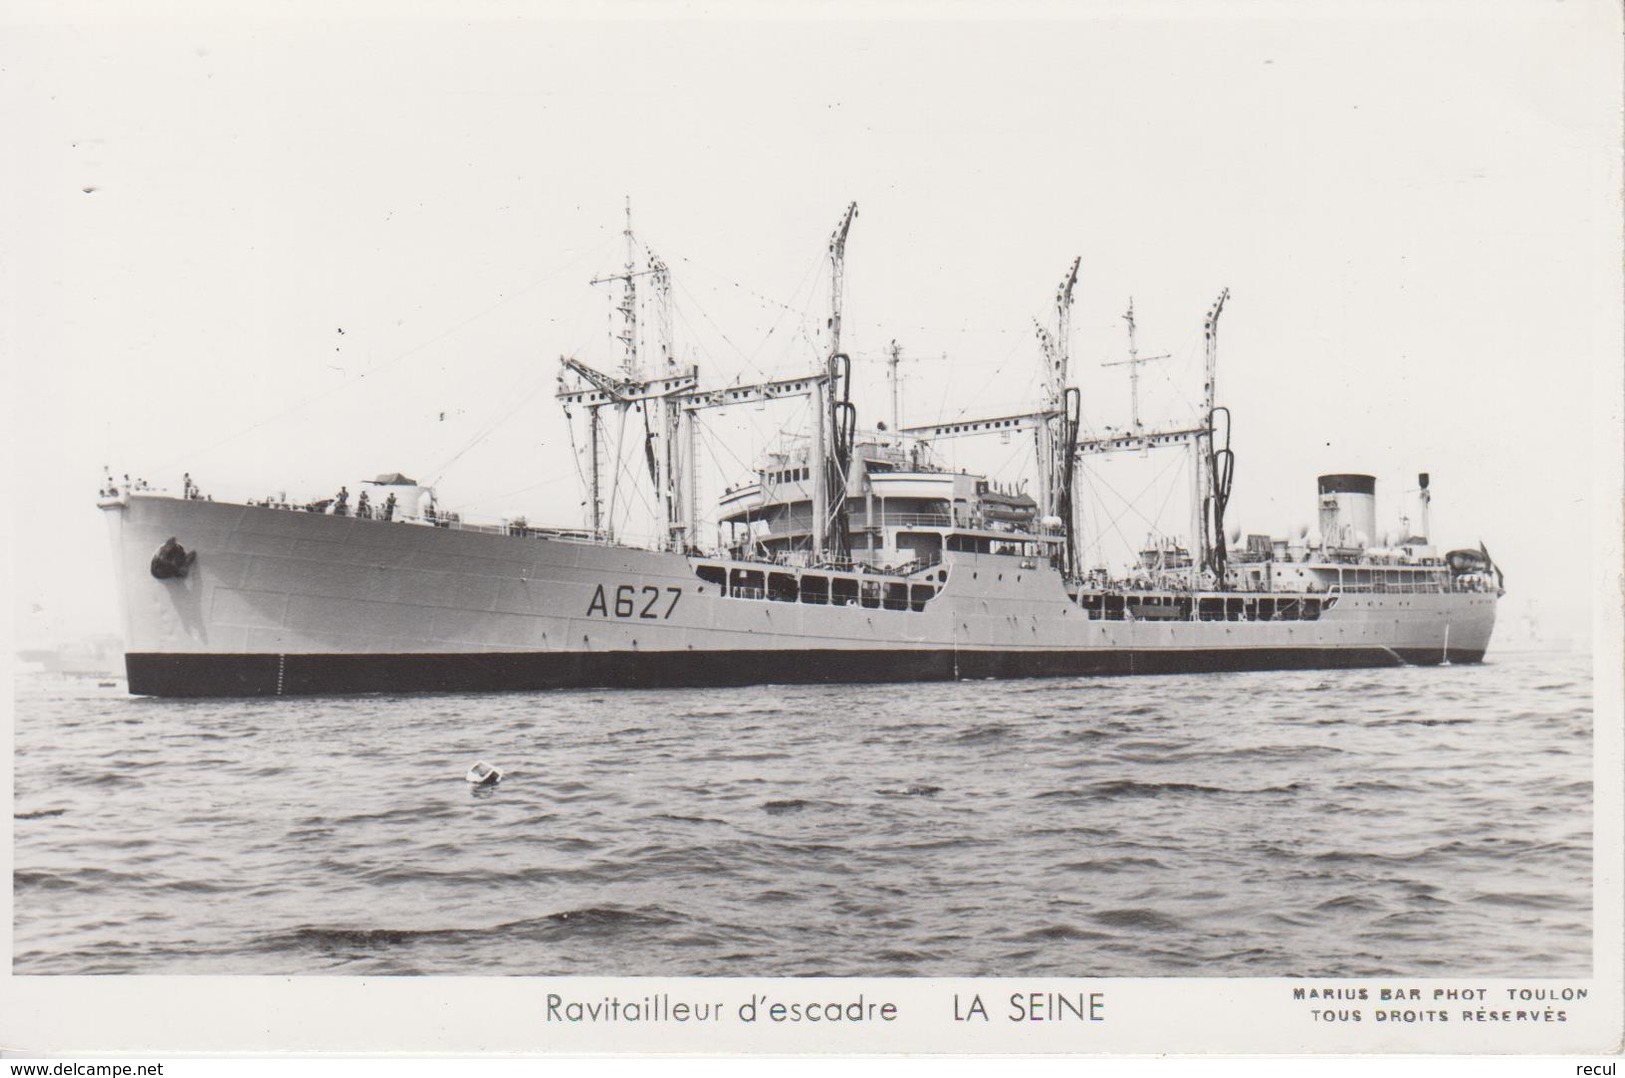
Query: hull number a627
[[630, 601]]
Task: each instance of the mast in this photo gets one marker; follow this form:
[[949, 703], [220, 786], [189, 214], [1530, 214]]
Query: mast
[[894, 356], [675, 396], [630, 372], [1134, 362], [1210, 330], [691, 479], [1198, 552], [672, 492], [661, 276], [837, 420], [819, 468], [1052, 437], [595, 498], [657, 397], [1213, 462], [1063, 333], [629, 305], [837, 279], [667, 445], [1207, 441]]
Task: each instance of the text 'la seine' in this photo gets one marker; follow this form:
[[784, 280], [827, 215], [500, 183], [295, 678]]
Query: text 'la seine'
[[1036, 1007]]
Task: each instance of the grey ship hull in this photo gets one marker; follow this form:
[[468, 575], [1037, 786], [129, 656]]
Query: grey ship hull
[[281, 603]]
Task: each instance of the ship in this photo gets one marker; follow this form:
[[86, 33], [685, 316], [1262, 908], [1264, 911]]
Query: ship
[[849, 555]]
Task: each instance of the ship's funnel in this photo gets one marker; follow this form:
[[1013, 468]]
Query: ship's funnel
[[1425, 498], [1348, 509]]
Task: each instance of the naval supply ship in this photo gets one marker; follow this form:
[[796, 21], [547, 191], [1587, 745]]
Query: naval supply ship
[[852, 555]]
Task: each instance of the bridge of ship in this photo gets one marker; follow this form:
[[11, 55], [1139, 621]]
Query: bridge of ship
[[902, 516]]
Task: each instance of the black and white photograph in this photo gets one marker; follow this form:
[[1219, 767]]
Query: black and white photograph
[[559, 528]]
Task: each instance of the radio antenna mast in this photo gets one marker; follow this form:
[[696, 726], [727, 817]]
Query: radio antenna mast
[[1134, 362], [631, 369], [894, 356]]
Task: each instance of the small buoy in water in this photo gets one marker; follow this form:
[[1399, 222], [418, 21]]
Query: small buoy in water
[[483, 774]]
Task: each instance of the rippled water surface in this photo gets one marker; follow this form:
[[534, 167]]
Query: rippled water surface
[[1411, 821]]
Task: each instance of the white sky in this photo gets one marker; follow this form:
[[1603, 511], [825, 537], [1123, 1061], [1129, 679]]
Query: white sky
[[1415, 207]]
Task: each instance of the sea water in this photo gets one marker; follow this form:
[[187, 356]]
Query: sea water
[[1412, 821]]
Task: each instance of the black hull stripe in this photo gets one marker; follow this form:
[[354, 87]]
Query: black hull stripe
[[303, 675]]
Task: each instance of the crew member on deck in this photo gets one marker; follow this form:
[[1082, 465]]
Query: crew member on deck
[[389, 506], [362, 507], [341, 504]]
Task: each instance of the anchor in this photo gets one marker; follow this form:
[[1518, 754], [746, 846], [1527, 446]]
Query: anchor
[[173, 561]]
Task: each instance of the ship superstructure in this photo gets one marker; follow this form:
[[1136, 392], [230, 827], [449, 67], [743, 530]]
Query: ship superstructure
[[850, 554]]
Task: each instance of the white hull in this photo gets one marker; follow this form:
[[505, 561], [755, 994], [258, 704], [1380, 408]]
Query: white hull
[[284, 601]]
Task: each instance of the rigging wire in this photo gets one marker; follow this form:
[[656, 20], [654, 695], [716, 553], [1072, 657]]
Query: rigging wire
[[981, 392], [1173, 392], [620, 463], [743, 465], [486, 501], [626, 469], [1129, 505], [726, 339], [1022, 447], [710, 443], [350, 382], [575, 455], [743, 288], [491, 426], [752, 359], [804, 314], [804, 285]]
